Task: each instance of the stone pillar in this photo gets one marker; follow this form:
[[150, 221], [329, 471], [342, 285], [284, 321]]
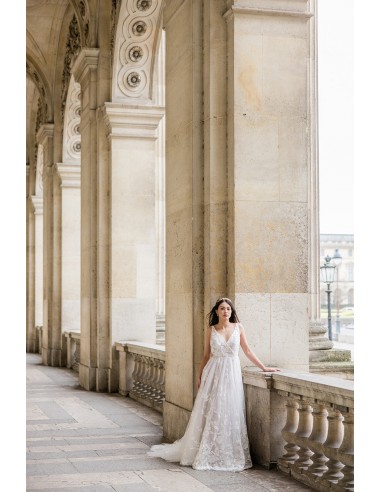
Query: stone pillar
[[318, 339], [30, 271], [133, 277], [269, 135], [160, 194], [38, 260], [70, 175], [51, 340], [184, 210], [85, 71]]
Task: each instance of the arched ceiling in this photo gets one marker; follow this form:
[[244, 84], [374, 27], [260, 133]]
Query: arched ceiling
[[43, 26]]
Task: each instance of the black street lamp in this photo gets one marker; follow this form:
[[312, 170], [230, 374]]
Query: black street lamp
[[336, 260], [327, 274]]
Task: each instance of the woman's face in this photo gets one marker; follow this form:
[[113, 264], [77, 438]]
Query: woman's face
[[224, 311]]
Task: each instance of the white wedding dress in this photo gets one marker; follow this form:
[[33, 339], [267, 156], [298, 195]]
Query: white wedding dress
[[216, 435]]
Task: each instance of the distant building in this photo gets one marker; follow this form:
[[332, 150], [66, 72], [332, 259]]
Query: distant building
[[343, 287]]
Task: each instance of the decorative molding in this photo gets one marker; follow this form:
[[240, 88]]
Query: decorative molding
[[115, 8], [124, 120], [70, 175], [39, 171], [38, 204], [37, 127], [237, 9], [85, 61], [73, 48], [45, 131], [72, 135], [84, 13], [35, 75], [137, 35]]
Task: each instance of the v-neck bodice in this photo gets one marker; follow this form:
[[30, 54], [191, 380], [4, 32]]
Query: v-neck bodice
[[222, 348]]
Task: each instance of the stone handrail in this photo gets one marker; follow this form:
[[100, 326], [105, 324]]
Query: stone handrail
[[317, 416], [142, 372]]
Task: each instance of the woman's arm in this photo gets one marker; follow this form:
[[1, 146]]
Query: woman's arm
[[250, 354], [206, 355]]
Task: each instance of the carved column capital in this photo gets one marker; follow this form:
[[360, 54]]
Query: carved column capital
[[38, 204], [86, 61], [125, 120], [70, 175], [45, 132]]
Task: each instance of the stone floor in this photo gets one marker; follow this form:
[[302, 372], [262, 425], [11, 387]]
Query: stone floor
[[85, 441]]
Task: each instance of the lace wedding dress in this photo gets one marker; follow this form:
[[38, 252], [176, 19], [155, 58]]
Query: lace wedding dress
[[216, 435]]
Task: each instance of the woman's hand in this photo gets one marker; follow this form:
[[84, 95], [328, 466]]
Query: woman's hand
[[198, 382], [270, 369]]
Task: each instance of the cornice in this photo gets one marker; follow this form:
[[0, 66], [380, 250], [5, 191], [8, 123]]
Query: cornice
[[85, 61], [238, 9], [38, 204], [70, 175], [134, 121], [45, 131]]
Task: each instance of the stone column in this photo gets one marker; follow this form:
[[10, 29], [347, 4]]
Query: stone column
[[50, 342], [318, 339], [37, 201], [133, 251], [30, 277], [70, 175], [184, 210], [269, 135], [85, 71]]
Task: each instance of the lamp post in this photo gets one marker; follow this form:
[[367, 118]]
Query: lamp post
[[327, 273], [336, 260]]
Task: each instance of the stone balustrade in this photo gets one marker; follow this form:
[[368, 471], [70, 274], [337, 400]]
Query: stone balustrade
[[142, 372], [73, 349], [303, 424]]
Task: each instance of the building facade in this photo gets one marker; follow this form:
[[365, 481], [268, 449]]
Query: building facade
[[343, 288], [164, 171]]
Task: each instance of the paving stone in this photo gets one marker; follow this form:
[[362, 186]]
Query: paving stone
[[94, 442], [143, 463], [50, 468], [91, 488]]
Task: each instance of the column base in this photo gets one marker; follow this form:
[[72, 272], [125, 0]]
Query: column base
[[175, 421], [87, 377], [51, 357]]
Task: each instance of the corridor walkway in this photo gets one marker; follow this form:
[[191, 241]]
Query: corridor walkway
[[85, 441]]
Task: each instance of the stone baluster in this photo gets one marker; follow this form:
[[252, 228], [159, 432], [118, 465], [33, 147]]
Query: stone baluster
[[302, 435], [331, 446], [346, 453], [145, 377], [155, 380], [317, 438], [77, 354], [136, 374], [288, 434], [162, 381], [149, 378]]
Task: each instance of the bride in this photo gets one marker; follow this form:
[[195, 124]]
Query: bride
[[216, 435]]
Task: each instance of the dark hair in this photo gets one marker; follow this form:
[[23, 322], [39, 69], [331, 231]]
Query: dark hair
[[212, 315]]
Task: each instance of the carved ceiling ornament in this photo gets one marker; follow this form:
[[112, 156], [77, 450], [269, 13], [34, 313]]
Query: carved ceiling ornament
[[37, 79], [115, 7], [73, 47], [37, 127], [40, 170], [84, 13], [138, 33], [71, 132]]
